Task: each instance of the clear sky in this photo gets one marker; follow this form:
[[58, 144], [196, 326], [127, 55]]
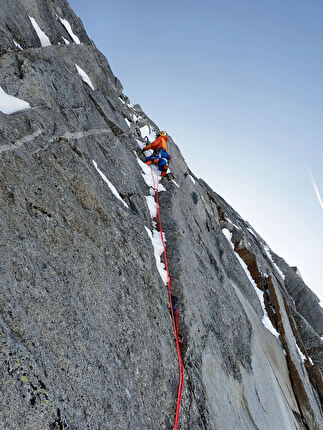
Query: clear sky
[[239, 86]]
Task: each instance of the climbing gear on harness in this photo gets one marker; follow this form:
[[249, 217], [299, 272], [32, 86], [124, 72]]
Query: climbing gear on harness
[[174, 314]]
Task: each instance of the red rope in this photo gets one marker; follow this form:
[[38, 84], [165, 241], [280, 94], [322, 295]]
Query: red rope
[[174, 317]]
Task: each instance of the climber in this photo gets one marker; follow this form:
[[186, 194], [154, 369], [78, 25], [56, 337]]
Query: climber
[[160, 156]]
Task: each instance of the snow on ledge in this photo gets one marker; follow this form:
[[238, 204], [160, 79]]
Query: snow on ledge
[[10, 104], [151, 206], [193, 180], [267, 250], [265, 320], [158, 251], [128, 122], [41, 35], [66, 41], [68, 27], [147, 174], [17, 45], [110, 185], [84, 76]]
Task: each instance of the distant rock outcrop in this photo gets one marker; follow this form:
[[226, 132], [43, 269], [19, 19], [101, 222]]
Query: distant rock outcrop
[[86, 337]]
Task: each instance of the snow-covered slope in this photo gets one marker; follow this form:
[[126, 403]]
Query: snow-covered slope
[[85, 329]]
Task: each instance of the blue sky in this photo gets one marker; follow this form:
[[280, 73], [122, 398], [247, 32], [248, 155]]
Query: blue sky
[[238, 85]]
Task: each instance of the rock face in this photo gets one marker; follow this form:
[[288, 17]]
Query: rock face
[[86, 337]]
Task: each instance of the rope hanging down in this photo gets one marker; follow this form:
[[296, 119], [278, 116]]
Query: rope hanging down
[[174, 314]]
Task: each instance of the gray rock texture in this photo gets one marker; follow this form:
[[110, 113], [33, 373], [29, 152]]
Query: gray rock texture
[[86, 337]]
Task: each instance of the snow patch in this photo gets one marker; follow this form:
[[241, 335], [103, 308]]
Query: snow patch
[[84, 77], [17, 45], [267, 250], [128, 122], [265, 320], [147, 174], [250, 231], [41, 35], [151, 206], [140, 144], [158, 251], [66, 41], [174, 182], [303, 358], [68, 27], [110, 185], [10, 104], [147, 131], [235, 225], [193, 180]]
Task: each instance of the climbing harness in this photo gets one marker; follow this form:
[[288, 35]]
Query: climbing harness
[[174, 311]]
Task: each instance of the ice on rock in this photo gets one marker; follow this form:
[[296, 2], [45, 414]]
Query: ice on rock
[[110, 185], [17, 45], [68, 27], [41, 35], [128, 122], [84, 77], [66, 41], [158, 251], [151, 206], [265, 320], [302, 356], [267, 250], [193, 180], [148, 178], [10, 104], [146, 131]]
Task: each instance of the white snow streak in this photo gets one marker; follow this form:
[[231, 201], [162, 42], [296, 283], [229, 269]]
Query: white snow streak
[[303, 358], [147, 174], [193, 180], [147, 131], [41, 35], [128, 122], [158, 251], [17, 45], [235, 225], [316, 190], [252, 232], [111, 186], [267, 250], [10, 104], [140, 144], [151, 206], [68, 27], [84, 77], [66, 41], [265, 320], [173, 180]]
